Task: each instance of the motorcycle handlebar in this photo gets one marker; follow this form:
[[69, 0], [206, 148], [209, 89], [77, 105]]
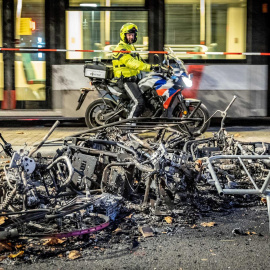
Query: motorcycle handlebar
[[167, 69]]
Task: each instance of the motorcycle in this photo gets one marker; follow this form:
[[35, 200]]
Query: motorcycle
[[162, 91]]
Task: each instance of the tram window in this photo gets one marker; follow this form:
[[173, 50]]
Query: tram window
[[1, 59], [30, 71], [206, 26], [99, 30], [96, 3]]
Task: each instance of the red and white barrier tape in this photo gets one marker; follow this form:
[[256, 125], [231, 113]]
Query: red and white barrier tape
[[158, 52]]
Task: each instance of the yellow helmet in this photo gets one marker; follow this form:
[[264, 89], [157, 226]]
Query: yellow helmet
[[128, 28]]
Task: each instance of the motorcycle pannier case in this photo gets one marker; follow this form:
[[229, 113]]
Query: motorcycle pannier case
[[97, 70]]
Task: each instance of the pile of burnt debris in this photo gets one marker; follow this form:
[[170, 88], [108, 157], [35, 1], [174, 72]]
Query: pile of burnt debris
[[117, 183]]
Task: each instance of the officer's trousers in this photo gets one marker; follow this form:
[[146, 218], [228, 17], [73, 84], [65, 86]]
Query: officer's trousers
[[135, 95]]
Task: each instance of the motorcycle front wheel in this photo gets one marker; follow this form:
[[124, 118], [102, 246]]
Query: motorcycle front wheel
[[95, 111], [195, 128]]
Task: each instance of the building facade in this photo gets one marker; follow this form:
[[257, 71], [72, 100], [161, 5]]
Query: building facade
[[46, 84]]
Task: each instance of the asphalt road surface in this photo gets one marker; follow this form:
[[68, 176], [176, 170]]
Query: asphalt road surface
[[187, 248]]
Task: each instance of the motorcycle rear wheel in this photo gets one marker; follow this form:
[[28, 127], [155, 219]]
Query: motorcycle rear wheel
[[93, 114], [195, 128]]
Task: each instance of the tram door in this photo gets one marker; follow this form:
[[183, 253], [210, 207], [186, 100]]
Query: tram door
[[29, 76], [1, 59]]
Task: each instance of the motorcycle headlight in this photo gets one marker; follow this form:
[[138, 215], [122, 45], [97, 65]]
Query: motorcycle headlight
[[187, 81]]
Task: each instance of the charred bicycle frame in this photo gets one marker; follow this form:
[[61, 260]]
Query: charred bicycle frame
[[98, 170]]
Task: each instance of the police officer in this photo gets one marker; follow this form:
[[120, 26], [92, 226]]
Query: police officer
[[128, 66]]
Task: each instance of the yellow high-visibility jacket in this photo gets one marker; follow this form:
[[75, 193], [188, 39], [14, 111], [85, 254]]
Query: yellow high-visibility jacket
[[127, 64]]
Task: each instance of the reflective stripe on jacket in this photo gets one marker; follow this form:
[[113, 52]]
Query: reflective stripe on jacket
[[127, 64]]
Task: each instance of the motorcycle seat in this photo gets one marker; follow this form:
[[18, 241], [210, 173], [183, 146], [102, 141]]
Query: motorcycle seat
[[112, 84], [116, 87], [115, 90], [120, 90]]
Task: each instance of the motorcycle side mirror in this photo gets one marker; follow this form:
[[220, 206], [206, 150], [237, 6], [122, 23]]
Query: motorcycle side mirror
[[156, 59]]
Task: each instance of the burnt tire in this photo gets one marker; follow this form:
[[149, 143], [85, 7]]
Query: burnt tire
[[195, 128], [95, 110]]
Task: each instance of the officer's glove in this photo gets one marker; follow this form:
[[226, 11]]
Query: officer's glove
[[155, 67]]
